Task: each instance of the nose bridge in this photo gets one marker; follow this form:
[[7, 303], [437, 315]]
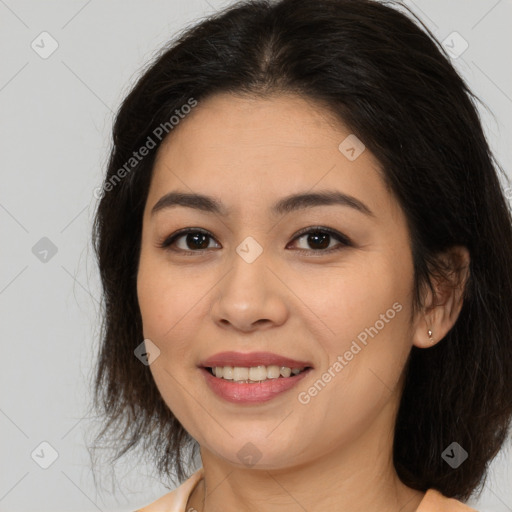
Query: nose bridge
[[248, 293], [248, 275]]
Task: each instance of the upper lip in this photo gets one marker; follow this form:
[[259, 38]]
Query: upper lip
[[251, 359]]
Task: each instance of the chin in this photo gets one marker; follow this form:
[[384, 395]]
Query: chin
[[262, 454]]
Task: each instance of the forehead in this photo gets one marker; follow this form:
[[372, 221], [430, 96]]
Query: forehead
[[254, 149], [229, 126]]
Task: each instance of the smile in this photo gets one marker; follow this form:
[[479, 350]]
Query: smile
[[252, 384], [253, 374]]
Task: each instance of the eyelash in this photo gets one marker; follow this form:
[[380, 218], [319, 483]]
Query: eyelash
[[344, 241]]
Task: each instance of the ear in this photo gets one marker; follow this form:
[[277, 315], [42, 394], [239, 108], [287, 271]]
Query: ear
[[442, 309]]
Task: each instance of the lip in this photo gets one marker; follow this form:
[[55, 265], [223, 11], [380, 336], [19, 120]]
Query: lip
[[252, 359], [251, 393]]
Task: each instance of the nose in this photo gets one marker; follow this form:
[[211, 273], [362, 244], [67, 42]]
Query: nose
[[250, 296]]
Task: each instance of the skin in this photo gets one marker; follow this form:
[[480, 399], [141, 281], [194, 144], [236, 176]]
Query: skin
[[334, 452]]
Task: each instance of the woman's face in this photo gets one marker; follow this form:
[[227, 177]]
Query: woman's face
[[253, 284]]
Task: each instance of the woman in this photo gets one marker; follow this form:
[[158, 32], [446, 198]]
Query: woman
[[305, 254]]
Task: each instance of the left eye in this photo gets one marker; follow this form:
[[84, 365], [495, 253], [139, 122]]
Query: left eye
[[197, 240], [320, 239]]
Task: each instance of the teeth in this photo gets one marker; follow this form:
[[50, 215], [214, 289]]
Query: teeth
[[254, 373], [240, 373], [257, 373]]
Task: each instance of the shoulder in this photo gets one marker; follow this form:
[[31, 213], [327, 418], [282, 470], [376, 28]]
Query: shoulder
[[176, 500], [434, 501]]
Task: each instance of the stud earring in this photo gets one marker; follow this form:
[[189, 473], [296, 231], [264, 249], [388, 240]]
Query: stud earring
[[430, 336]]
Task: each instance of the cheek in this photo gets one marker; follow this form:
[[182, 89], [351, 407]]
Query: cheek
[[160, 292], [152, 293], [353, 297], [167, 308], [366, 311], [171, 303], [160, 305], [366, 346]]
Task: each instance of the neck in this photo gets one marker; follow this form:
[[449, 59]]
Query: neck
[[266, 492]]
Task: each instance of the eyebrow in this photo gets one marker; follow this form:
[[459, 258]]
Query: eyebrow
[[287, 204]]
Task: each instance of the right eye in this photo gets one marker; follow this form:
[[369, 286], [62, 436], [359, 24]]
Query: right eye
[[194, 239]]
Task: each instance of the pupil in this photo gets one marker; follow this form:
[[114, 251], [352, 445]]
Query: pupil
[[315, 236], [194, 238]]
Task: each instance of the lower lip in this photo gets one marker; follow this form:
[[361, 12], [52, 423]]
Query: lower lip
[[241, 393]]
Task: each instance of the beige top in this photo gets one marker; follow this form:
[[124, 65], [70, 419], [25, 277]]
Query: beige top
[[176, 501]]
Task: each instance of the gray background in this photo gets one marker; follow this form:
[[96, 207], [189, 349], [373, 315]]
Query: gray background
[[56, 116]]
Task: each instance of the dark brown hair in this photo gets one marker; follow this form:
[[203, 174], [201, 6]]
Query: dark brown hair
[[387, 79]]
